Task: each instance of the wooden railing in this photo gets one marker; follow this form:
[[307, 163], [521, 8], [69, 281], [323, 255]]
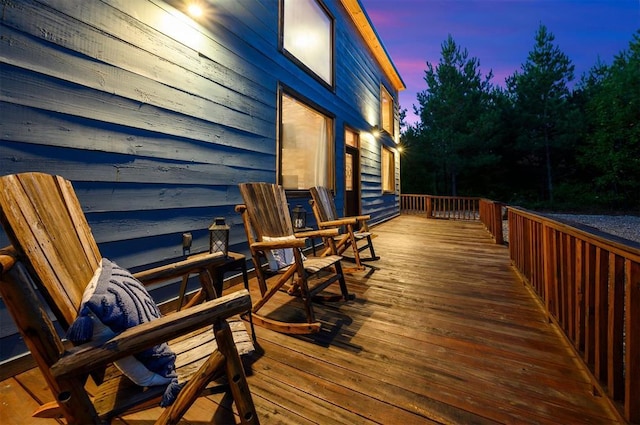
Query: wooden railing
[[590, 287], [457, 208], [491, 217], [449, 207]]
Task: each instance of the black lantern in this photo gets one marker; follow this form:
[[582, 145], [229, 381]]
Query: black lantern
[[219, 236], [299, 217]]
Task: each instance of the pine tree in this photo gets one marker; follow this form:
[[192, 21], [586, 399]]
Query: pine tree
[[451, 111], [540, 95], [612, 141]]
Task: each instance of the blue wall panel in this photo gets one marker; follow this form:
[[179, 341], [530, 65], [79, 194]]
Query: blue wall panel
[[156, 118]]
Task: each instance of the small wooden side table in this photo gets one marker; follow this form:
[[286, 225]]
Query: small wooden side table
[[233, 263]]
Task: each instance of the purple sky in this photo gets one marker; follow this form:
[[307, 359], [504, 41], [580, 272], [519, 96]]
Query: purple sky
[[500, 33]]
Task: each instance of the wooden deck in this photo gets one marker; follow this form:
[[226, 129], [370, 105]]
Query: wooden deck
[[443, 332]]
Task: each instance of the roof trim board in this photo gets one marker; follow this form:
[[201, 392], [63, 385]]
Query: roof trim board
[[370, 36]]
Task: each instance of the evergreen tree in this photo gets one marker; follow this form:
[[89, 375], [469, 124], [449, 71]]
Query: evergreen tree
[[540, 95], [416, 174], [611, 149], [452, 109]]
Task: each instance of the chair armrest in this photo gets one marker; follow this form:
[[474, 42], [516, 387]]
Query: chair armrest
[[361, 217], [320, 233], [180, 268], [339, 222], [280, 244], [87, 357], [8, 257]]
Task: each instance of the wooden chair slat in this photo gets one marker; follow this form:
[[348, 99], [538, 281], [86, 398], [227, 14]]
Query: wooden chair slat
[[32, 214]]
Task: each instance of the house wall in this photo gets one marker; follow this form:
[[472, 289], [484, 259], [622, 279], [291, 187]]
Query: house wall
[[156, 119]]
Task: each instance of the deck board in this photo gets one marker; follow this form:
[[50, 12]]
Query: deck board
[[443, 332]]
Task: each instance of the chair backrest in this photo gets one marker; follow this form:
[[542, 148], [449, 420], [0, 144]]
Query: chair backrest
[[323, 205], [45, 224], [267, 209]]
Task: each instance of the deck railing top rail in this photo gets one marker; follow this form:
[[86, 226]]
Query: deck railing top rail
[[585, 233]]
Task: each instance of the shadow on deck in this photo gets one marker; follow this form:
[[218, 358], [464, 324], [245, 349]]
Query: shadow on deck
[[443, 332]]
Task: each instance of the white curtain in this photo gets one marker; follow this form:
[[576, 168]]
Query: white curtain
[[305, 151], [321, 154]]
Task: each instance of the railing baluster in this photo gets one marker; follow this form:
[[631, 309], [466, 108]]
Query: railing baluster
[[615, 326], [602, 275], [579, 312]]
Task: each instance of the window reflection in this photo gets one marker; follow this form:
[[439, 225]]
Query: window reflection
[[307, 34]]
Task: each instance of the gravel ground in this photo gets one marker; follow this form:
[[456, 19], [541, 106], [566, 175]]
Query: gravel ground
[[623, 226]]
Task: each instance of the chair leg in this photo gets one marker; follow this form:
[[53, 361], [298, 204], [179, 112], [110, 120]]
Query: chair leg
[[305, 293], [369, 246], [225, 357], [191, 391], [343, 284], [235, 374], [354, 246]]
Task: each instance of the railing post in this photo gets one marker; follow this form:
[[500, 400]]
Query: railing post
[[428, 207], [496, 218], [632, 349]]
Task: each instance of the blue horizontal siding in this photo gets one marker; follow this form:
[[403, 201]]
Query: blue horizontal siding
[[156, 126]]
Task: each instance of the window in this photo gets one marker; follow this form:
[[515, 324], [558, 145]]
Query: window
[[388, 170], [307, 36], [386, 111], [306, 146]]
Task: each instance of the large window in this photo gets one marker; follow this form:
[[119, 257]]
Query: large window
[[306, 146], [386, 111], [388, 170], [307, 35]]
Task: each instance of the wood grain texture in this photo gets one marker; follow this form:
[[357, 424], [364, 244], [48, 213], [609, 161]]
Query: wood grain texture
[[443, 332], [157, 119]]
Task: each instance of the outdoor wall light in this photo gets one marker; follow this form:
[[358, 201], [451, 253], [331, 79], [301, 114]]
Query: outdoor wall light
[[219, 236], [195, 10]]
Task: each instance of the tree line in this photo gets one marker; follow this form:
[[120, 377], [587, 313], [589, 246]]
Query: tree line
[[537, 142]]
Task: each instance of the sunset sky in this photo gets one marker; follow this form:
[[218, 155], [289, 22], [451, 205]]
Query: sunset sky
[[500, 33]]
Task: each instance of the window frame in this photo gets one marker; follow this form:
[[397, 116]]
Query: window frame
[[331, 140], [291, 56], [390, 111], [391, 169]]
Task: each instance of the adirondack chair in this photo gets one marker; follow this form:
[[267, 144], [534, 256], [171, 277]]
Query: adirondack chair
[[52, 249], [355, 228], [270, 234]]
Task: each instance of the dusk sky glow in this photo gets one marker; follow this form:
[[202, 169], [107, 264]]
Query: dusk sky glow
[[500, 33]]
